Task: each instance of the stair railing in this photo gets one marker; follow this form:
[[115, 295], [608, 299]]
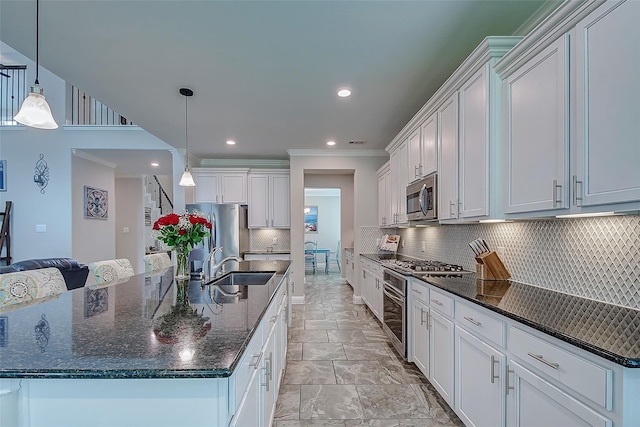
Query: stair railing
[[5, 235], [162, 195]]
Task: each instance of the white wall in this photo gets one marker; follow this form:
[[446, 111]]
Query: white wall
[[365, 196], [92, 239], [130, 214], [328, 221]]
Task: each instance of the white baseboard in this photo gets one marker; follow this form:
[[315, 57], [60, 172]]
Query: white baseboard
[[297, 299], [357, 300]]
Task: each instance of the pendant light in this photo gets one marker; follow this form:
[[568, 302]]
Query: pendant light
[[35, 111], [187, 179]]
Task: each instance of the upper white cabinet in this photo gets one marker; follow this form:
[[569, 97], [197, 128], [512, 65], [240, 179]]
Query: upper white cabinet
[[385, 194], [536, 132], [269, 201], [429, 144], [572, 120], [448, 173], [399, 172], [220, 185], [607, 105], [414, 146]]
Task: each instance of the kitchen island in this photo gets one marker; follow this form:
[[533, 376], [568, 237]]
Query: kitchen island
[[97, 355]]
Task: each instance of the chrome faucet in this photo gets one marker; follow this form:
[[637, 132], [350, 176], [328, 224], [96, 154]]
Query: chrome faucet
[[206, 265], [217, 267]]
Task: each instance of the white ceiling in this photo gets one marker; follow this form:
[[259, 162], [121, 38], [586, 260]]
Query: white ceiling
[[264, 73]]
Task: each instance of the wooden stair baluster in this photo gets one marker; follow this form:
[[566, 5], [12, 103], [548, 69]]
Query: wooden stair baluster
[[5, 237]]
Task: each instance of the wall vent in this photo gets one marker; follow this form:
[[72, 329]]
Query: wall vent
[[356, 142]]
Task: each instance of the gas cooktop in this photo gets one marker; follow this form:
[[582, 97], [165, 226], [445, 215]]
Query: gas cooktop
[[426, 268]]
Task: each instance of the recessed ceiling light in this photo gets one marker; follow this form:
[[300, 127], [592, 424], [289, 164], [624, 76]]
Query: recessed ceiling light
[[155, 165], [231, 142], [344, 92], [331, 143]]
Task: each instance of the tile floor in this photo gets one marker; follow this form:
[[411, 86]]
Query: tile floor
[[343, 372]]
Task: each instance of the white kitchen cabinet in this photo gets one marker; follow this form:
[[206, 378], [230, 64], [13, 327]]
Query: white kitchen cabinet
[[267, 257], [385, 194], [220, 186], [448, 148], [269, 201], [429, 145], [607, 90], [441, 357], [349, 267], [414, 147], [419, 336], [534, 402], [474, 145], [399, 166], [371, 286], [248, 414], [268, 380], [536, 132], [479, 374]]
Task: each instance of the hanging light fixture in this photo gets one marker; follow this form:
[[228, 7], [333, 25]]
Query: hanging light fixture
[[187, 179], [35, 111]]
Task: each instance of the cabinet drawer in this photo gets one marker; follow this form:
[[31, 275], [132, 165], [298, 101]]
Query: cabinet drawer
[[588, 379], [420, 291], [441, 302], [477, 321]]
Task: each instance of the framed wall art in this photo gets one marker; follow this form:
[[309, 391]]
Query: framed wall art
[[96, 203], [3, 175], [310, 219]]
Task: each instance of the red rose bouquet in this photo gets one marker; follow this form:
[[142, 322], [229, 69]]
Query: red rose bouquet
[[182, 233]]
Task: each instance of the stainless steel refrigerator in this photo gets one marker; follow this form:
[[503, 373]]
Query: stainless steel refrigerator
[[228, 230]]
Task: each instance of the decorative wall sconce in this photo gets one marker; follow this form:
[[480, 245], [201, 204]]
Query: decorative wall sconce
[[41, 176]]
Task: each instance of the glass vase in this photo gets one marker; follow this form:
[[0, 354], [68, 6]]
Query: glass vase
[[182, 265]]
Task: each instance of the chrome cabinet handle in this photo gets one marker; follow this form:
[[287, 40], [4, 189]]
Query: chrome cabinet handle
[[540, 358], [266, 222], [222, 198], [255, 363], [435, 301], [417, 291], [556, 186], [576, 199], [415, 172], [422, 321], [272, 223], [274, 318], [509, 387], [470, 320], [451, 213], [494, 377]]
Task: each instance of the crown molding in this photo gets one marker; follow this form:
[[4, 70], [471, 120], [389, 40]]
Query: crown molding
[[92, 158], [245, 163], [336, 153]]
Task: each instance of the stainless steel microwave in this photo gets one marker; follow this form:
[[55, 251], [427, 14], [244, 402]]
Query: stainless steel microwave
[[422, 199]]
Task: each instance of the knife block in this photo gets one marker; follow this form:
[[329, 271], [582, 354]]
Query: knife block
[[490, 267]]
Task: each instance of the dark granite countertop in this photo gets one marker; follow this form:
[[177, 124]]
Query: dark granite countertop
[[108, 332], [609, 331]]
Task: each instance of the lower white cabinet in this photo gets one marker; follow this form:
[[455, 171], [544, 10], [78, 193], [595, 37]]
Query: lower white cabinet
[[371, 286], [480, 371], [441, 357], [534, 402], [419, 336], [349, 267], [267, 257]]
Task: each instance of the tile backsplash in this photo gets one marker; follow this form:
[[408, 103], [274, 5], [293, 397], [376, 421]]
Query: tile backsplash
[[597, 258], [261, 239]]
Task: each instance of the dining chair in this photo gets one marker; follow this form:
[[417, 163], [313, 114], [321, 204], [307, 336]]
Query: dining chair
[[335, 256], [310, 255], [156, 262], [111, 270], [30, 285]]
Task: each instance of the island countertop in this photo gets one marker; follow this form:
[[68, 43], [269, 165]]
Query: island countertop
[[108, 332]]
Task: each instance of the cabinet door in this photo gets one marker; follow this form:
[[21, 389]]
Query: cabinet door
[[533, 402], [608, 111], [536, 132], [415, 156], [420, 336], [429, 138], [378, 298], [474, 146], [206, 190], [258, 212], [479, 381], [382, 200], [268, 380], [249, 412], [233, 188], [441, 357], [400, 172], [448, 170], [280, 201]]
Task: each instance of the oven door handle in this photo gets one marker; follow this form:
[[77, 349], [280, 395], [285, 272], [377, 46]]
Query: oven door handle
[[393, 297]]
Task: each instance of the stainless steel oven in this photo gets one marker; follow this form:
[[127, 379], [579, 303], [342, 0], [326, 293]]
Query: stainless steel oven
[[422, 199], [394, 318]]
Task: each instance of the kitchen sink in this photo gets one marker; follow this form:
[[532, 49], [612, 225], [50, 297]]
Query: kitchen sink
[[243, 278]]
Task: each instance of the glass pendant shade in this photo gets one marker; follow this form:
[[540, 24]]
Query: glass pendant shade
[[35, 111], [187, 179]]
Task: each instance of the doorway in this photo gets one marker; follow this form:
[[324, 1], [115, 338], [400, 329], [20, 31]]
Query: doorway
[[322, 212]]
